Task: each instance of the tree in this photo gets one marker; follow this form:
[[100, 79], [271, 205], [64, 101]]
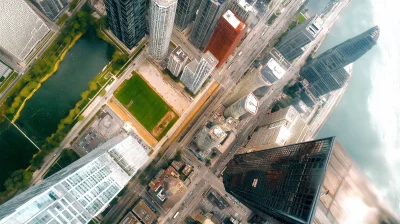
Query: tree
[[92, 85], [80, 118], [103, 92], [208, 162]]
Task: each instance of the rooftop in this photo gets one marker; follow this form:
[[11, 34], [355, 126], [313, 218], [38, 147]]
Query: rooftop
[[142, 210], [251, 104], [192, 66], [232, 19], [217, 132], [158, 181], [179, 54], [165, 3], [129, 219], [246, 6], [210, 58]]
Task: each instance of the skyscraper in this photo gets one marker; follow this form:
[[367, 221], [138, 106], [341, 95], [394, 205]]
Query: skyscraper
[[162, 15], [227, 35], [283, 182], [246, 105], [250, 82], [210, 11], [80, 191], [127, 20], [280, 128], [196, 73], [243, 10], [186, 12], [334, 81], [21, 29], [177, 60], [296, 40], [326, 66], [52, 8], [310, 182]]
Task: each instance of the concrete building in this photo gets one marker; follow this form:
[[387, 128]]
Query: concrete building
[[248, 84], [80, 191], [226, 37], [186, 13], [5, 71], [296, 41], [243, 10], [129, 219], [209, 138], [275, 67], [21, 28], [280, 128], [127, 20], [162, 15], [209, 13], [177, 61], [51, 8], [145, 214], [196, 73], [332, 82], [308, 182], [246, 105], [327, 68]]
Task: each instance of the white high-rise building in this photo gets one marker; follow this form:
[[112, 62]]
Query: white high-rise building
[[162, 15], [196, 73], [80, 191], [246, 105], [21, 29]]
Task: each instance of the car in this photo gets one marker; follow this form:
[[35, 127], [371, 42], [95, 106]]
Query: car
[[229, 66], [239, 53], [262, 33]]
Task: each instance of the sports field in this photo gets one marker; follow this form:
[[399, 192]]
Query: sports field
[[145, 105]]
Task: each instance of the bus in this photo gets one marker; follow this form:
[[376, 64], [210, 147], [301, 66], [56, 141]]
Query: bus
[[176, 214]]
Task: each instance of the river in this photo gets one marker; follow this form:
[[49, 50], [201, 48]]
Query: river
[[367, 119], [52, 102]]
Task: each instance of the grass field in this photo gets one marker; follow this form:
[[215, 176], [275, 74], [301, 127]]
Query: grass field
[[141, 101], [301, 18], [7, 81]]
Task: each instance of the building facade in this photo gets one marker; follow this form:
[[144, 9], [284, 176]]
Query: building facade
[[210, 11], [4, 70], [127, 20], [162, 15], [226, 37], [280, 128], [177, 61], [296, 40], [243, 10], [80, 191], [52, 8], [18, 22], [246, 105], [311, 182], [325, 67], [186, 13], [196, 73], [332, 82], [283, 182]]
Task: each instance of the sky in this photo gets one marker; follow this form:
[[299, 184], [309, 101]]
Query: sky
[[367, 120]]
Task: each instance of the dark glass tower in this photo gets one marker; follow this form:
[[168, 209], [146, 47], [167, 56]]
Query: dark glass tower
[[283, 182], [210, 12], [126, 19], [52, 8], [326, 66], [185, 13]]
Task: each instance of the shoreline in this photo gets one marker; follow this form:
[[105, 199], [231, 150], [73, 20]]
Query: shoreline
[[48, 75]]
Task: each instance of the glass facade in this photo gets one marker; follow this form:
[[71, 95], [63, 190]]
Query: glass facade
[[127, 20], [326, 71], [282, 182], [52, 8], [186, 12], [81, 190]]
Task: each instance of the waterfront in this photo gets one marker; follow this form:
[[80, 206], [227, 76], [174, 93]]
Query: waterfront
[[52, 102], [366, 119]]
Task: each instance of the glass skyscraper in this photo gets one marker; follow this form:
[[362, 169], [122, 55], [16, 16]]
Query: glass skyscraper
[[283, 182], [80, 191], [329, 65], [127, 20], [185, 13]]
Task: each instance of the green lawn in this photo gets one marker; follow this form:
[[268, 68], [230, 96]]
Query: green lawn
[[5, 83], [301, 18], [146, 105]]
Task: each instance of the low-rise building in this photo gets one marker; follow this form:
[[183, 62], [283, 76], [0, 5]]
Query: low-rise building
[[158, 180], [130, 219], [177, 165], [144, 212]]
